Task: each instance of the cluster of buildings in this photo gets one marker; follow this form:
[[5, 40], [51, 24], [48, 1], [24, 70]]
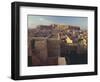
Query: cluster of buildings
[[67, 33], [57, 45]]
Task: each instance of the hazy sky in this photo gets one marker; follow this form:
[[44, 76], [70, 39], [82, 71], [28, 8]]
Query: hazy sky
[[34, 20]]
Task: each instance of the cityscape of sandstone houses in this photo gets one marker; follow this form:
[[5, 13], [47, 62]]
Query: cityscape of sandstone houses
[[57, 44]]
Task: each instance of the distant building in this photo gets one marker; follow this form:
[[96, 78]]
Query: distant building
[[74, 27], [45, 27], [68, 40]]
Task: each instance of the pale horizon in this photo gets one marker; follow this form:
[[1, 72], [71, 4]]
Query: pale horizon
[[34, 20]]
